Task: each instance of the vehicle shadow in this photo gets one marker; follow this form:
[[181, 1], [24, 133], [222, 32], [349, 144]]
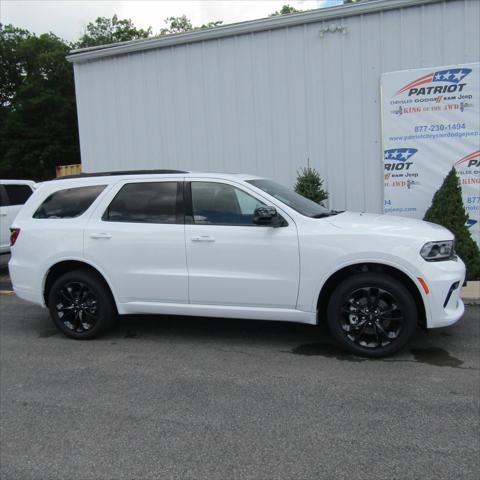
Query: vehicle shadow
[[307, 340], [299, 339], [159, 326]]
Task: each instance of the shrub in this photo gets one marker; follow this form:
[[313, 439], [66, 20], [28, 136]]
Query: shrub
[[447, 209], [309, 184]]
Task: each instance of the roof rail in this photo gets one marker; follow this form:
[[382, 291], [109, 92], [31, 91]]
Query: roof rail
[[121, 172]]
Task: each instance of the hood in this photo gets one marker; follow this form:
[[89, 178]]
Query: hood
[[390, 225]]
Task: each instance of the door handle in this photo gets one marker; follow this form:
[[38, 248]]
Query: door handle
[[203, 238], [3, 214], [99, 235]]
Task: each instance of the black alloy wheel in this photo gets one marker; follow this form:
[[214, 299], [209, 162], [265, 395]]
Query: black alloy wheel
[[81, 305], [78, 307], [372, 314], [371, 317]]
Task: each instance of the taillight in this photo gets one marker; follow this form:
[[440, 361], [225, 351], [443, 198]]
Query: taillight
[[15, 232]]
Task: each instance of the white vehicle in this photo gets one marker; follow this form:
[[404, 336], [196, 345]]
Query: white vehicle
[[232, 246], [13, 194]]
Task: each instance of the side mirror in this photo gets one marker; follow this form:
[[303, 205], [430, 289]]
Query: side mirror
[[267, 216]]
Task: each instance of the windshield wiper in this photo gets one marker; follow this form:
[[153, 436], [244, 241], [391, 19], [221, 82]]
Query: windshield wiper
[[327, 214]]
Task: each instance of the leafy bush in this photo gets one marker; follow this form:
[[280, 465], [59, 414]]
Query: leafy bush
[[310, 185], [447, 209]]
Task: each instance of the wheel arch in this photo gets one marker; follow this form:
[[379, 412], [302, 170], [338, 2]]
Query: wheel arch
[[64, 266], [337, 277]]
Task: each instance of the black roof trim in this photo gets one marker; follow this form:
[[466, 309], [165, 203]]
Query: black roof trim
[[121, 172]]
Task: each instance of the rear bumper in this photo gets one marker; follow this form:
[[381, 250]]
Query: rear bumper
[[23, 283], [28, 295], [445, 280]]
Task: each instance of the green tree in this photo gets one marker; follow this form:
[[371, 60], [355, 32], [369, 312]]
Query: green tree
[[310, 185], [216, 23], [38, 120], [285, 10], [177, 25], [183, 24], [447, 209], [111, 30], [10, 72]]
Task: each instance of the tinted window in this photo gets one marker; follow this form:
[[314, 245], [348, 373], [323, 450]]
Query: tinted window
[[68, 203], [152, 202], [18, 194], [3, 197], [222, 204]]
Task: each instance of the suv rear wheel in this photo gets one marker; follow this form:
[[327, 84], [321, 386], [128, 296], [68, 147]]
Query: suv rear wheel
[[81, 305], [372, 314]]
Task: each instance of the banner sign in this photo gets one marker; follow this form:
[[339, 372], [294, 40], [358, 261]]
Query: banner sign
[[431, 122]]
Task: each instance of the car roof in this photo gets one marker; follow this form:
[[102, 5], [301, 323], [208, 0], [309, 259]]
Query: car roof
[[102, 178], [15, 181]]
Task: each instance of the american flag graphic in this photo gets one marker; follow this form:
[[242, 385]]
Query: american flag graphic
[[453, 75], [469, 157], [400, 154]]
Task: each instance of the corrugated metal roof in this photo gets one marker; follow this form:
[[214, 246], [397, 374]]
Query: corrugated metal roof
[[270, 23]]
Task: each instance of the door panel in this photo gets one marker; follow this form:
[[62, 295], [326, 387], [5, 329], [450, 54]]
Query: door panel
[[239, 264], [145, 261]]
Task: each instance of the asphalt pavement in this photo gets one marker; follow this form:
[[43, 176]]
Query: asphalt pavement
[[192, 398]]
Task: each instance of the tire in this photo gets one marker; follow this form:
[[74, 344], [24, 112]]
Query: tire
[[372, 315], [81, 305]]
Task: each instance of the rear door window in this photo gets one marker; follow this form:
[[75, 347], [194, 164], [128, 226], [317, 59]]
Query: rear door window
[[68, 203], [17, 194], [147, 202]]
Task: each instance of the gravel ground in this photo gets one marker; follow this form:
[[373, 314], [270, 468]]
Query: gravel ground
[[194, 398]]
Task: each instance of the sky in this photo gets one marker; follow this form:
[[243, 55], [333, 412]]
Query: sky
[[68, 18]]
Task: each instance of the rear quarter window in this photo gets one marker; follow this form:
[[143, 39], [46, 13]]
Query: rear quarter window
[[17, 194], [68, 203]]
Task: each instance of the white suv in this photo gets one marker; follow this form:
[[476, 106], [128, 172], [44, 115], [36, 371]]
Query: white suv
[[237, 246], [13, 194]]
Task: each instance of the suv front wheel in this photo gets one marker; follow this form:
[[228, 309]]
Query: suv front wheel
[[372, 314], [81, 305]]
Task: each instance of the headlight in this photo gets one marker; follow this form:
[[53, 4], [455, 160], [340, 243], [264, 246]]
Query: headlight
[[436, 251]]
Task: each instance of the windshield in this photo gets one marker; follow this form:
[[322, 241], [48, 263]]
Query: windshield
[[292, 199]]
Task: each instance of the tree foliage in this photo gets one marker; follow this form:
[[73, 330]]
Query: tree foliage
[[38, 124], [183, 24], [10, 72], [447, 209], [310, 185], [38, 119], [285, 10], [216, 23], [177, 25], [111, 30]]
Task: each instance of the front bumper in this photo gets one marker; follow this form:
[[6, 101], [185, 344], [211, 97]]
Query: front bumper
[[443, 303]]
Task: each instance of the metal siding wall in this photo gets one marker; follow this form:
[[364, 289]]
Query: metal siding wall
[[264, 102]]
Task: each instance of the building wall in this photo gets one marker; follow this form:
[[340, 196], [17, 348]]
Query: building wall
[[265, 102]]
